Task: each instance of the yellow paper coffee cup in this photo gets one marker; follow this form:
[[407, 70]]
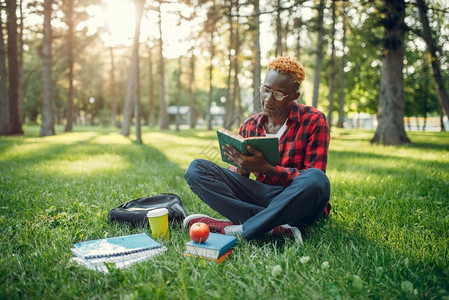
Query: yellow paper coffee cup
[[158, 219]]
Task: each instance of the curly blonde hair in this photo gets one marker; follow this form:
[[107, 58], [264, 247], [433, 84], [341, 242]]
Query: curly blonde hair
[[289, 66]]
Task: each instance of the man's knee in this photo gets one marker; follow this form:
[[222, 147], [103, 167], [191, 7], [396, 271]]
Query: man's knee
[[192, 170], [198, 168], [315, 181]]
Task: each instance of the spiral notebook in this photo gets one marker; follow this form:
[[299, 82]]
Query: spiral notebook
[[117, 252], [115, 246]]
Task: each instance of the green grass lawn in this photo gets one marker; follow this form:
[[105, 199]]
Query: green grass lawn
[[387, 236]]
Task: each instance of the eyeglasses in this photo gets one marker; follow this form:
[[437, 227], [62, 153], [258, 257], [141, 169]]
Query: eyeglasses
[[279, 96]]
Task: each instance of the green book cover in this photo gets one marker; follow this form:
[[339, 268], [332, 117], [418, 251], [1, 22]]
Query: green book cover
[[269, 146]]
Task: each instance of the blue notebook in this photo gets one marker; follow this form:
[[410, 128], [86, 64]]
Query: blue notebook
[[115, 246], [214, 247]]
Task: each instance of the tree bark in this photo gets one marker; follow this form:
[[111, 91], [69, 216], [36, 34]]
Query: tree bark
[[435, 61], [112, 88], [192, 90], [390, 129], [132, 89], [211, 69], [20, 62], [230, 101], [236, 108], [256, 67], [139, 12], [47, 127], [319, 54], [333, 72], [70, 44], [178, 98], [163, 104], [15, 121], [151, 114], [130, 94], [278, 50], [4, 103], [341, 96]]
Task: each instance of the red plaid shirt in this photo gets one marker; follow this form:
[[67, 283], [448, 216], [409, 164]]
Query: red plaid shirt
[[304, 145]]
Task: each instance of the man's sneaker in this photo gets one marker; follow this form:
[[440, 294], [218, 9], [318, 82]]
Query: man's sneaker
[[215, 225], [292, 232]]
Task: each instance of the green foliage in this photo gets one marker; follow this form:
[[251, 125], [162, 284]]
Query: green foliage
[[386, 236]]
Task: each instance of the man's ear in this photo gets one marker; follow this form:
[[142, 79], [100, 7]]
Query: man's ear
[[296, 96]]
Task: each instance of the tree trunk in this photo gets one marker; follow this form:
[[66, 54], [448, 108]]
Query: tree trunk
[[341, 97], [192, 90], [20, 61], [442, 129], [298, 26], [47, 127], [139, 12], [256, 67], [163, 105], [236, 88], [278, 50], [211, 69], [70, 44], [132, 89], [230, 101], [112, 88], [4, 103], [432, 48], [130, 93], [151, 114], [332, 75], [390, 128], [178, 98], [15, 121], [319, 54]]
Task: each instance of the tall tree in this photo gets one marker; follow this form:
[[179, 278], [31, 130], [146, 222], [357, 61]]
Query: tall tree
[[390, 129], [230, 101], [179, 94], [4, 104], [192, 89], [278, 50], [20, 61], [47, 126], [256, 64], [433, 47], [210, 27], [139, 12], [68, 6], [132, 88], [333, 70], [319, 53], [163, 103], [151, 113], [341, 94], [112, 87], [15, 120], [236, 88]]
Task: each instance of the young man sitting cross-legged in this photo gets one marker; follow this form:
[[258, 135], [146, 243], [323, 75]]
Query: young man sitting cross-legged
[[284, 198]]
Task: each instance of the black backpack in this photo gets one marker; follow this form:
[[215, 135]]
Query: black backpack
[[134, 212]]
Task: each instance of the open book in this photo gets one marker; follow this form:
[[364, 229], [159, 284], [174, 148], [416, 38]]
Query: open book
[[269, 146]]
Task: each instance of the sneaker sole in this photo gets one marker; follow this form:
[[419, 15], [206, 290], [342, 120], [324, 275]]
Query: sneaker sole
[[190, 217]]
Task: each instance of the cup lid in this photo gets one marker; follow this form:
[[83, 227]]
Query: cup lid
[[157, 212]]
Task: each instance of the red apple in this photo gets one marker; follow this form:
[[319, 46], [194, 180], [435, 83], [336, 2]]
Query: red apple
[[199, 232]]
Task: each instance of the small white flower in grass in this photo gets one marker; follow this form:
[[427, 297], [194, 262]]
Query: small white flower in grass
[[407, 287], [304, 259], [276, 271], [357, 282], [325, 265]]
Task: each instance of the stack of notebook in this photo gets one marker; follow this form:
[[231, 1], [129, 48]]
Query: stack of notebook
[[217, 247], [118, 252]]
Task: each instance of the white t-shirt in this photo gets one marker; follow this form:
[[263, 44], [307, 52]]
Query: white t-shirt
[[280, 132]]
